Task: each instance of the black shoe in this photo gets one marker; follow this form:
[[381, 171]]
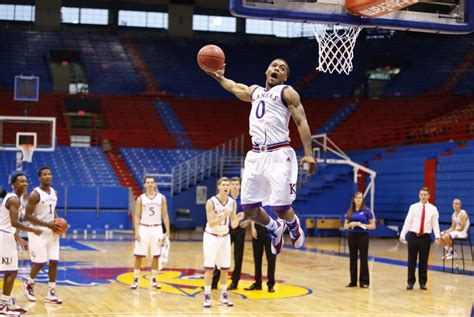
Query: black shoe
[[409, 287], [232, 287], [351, 285], [254, 287], [423, 287], [271, 289], [364, 286]]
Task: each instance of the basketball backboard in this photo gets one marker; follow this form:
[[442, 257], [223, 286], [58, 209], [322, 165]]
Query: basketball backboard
[[441, 16], [37, 131]]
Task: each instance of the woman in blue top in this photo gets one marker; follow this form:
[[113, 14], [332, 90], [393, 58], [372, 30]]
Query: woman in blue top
[[359, 219]]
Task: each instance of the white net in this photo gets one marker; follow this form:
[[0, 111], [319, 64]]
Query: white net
[[27, 152], [336, 47]]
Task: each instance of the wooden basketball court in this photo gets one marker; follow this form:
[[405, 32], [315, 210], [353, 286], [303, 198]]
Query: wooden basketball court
[[311, 282]]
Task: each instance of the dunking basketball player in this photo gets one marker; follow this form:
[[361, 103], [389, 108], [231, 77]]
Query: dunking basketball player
[[40, 212], [151, 209], [271, 166], [9, 232], [216, 240]]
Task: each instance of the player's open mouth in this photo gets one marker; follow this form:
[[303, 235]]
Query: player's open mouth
[[274, 75]]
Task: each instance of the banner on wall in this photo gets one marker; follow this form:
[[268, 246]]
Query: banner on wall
[[201, 195]]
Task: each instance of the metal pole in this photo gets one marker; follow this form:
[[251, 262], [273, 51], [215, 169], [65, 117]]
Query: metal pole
[[65, 201], [98, 202]]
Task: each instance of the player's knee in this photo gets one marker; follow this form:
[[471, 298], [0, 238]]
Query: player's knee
[[251, 213], [280, 210]]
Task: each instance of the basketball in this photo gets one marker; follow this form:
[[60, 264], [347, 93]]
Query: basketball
[[63, 223], [211, 58]]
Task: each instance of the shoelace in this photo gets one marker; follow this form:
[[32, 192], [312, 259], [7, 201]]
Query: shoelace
[[295, 230], [207, 297]]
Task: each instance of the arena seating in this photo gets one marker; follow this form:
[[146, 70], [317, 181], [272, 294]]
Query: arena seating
[[70, 165], [108, 68]]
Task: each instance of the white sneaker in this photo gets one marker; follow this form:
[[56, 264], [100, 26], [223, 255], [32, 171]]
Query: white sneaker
[[296, 233], [224, 300], [134, 284], [154, 284], [207, 301], [277, 237], [52, 297], [11, 308], [28, 290]]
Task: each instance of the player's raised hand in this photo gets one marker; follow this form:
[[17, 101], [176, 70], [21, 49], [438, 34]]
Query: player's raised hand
[[309, 164], [217, 74]]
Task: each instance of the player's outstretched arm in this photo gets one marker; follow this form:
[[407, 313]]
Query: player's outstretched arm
[[293, 101], [241, 91]]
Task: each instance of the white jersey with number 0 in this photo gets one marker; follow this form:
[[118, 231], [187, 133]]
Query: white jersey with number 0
[[220, 208], [151, 209], [5, 221], [46, 207], [269, 117]]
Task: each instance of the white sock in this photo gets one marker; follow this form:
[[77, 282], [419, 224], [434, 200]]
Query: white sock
[[136, 273], [52, 285], [6, 298], [289, 223], [446, 247], [272, 225], [224, 288], [153, 273], [450, 249], [207, 289], [31, 280]]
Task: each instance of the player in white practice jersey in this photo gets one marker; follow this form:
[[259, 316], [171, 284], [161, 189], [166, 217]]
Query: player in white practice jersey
[[271, 167], [40, 212], [151, 210], [9, 232], [220, 211]]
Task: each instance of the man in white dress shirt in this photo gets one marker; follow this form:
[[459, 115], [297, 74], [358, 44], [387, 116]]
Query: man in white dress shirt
[[421, 220]]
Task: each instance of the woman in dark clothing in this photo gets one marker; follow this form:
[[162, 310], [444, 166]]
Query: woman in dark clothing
[[359, 219]]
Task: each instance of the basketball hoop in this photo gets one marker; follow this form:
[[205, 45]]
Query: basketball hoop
[[27, 151], [336, 47]]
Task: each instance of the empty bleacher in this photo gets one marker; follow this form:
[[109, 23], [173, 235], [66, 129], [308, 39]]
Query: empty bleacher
[[107, 65], [71, 166]]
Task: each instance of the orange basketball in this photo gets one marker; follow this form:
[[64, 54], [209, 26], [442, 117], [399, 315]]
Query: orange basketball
[[211, 58], [63, 223]]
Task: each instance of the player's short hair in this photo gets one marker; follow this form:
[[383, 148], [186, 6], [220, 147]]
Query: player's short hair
[[14, 178], [235, 179], [41, 169], [222, 179], [457, 199], [147, 177], [425, 189], [286, 63]]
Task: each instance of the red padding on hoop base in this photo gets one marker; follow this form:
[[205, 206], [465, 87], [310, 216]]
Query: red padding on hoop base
[[377, 8]]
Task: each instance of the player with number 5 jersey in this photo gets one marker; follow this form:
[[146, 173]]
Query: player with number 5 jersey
[[151, 211], [271, 167]]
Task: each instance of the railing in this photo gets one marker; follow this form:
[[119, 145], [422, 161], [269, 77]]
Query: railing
[[329, 149], [200, 167], [229, 161]]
